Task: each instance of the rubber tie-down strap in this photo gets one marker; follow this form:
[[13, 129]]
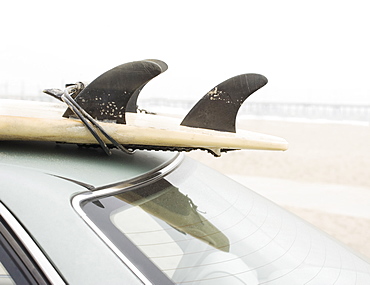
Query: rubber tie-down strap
[[89, 122]]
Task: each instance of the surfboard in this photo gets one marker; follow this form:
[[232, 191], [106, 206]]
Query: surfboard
[[106, 110]]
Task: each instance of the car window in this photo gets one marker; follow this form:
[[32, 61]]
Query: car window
[[199, 227], [5, 277], [182, 225], [13, 269], [21, 260]]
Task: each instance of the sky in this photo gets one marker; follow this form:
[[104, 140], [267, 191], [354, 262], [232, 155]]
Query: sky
[[310, 51]]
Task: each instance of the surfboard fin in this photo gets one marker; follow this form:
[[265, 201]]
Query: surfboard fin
[[217, 110], [115, 92]]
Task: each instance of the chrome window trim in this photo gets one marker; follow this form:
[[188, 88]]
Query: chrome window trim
[[32, 248], [81, 199]]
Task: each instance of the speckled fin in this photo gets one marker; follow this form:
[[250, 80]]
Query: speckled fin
[[217, 110], [115, 92]]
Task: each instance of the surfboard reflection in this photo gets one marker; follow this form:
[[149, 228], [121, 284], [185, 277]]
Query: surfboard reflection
[[164, 201]]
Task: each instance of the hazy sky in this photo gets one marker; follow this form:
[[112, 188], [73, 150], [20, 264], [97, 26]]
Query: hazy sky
[[311, 51]]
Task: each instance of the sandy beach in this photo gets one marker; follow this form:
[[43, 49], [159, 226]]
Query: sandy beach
[[323, 177]]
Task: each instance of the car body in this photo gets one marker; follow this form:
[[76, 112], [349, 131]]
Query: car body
[[73, 215]]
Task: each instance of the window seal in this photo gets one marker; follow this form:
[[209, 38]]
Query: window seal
[[27, 250], [81, 199]]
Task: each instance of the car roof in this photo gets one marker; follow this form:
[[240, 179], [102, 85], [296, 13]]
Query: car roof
[[88, 165]]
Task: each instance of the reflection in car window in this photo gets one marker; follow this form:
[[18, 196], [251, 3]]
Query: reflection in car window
[[199, 227], [5, 278], [12, 270], [21, 260]]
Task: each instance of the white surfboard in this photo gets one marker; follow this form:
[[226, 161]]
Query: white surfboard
[[107, 114], [41, 121]]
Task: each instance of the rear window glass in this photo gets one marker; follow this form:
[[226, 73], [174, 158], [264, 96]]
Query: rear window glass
[[199, 227], [5, 277]]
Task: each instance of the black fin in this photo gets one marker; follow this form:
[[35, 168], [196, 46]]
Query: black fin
[[217, 110], [115, 92]]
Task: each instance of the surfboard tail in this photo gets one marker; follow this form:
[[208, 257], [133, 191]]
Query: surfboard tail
[[113, 94]]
